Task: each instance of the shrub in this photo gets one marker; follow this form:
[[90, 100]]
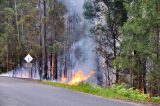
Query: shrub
[[156, 99], [115, 91]]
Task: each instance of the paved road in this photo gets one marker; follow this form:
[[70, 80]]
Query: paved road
[[19, 92]]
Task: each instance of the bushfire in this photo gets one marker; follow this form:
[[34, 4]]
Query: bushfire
[[77, 77]]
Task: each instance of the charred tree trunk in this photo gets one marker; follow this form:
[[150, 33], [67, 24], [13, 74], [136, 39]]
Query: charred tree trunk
[[53, 65], [55, 68]]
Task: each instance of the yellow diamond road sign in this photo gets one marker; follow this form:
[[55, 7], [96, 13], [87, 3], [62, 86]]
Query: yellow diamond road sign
[[28, 58]]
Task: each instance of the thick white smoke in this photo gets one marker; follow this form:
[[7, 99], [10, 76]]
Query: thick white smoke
[[74, 5], [82, 52]]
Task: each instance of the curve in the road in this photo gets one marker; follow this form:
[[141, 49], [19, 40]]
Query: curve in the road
[[19, 92]]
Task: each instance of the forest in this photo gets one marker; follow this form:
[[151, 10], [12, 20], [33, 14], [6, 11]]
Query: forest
[[60, 38]]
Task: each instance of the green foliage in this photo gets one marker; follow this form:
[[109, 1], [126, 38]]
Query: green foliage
[[139, 42], [56, 47], [20, 31], [156, 99], [130, 93], [8, 11], [116, 91], [90, 9]]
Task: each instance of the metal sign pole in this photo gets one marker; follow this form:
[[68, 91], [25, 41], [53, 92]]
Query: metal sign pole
[[28, 59]]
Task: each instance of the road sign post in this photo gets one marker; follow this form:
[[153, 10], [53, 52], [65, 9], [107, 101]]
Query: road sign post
[[28, 59]]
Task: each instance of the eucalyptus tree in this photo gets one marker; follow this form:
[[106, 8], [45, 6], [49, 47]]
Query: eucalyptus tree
[[56, 27], [109, 16], [140, 45], [7, 34]]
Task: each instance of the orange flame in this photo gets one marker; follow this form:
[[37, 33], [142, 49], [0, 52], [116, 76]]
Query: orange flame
[[77, 77], [63, 79]]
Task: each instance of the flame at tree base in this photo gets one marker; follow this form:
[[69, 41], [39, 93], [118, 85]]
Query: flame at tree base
[[78, 77]]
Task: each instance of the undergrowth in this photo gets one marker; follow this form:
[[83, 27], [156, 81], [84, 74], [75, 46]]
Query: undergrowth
[[114, 92]]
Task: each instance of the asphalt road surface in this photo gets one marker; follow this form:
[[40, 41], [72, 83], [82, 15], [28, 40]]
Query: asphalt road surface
[[20, 92]]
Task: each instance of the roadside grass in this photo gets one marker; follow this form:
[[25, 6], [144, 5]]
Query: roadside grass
[[114, 92], [156, 99]]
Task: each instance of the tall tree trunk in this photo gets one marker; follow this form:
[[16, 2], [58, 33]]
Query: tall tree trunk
[[51, 66], [56, 68], [144, 89], [16, 14], [7, 56], [45, 41], [115, 55], [54, 65], [108, 75], [158, 48], [131, 77], [115, 50], [22, 26], [43, 37], [158, 60]]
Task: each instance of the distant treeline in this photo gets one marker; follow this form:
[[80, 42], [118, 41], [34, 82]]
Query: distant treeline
[[34, 27]]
